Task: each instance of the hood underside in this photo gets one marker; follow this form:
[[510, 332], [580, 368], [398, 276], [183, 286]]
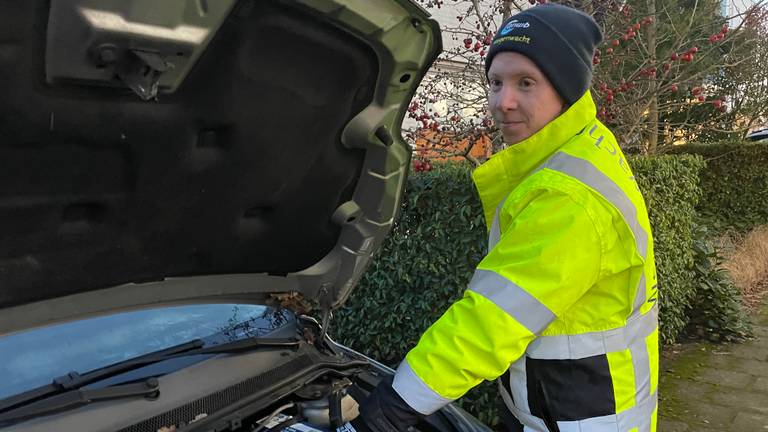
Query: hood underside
[[193, 151]]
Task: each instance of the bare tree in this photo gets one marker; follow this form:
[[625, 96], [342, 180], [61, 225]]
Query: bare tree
[[658, 65]]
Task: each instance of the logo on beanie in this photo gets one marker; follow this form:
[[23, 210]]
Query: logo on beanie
[[513, 25]]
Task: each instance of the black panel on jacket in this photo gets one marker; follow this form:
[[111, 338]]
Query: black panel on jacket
[[568, 390]]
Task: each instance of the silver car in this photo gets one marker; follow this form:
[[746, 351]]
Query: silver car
[[188, 189]]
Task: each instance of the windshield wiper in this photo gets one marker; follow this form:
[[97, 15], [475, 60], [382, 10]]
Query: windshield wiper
[[150, 388], [73, 380]]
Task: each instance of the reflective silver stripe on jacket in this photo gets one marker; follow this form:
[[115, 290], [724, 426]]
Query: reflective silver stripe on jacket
[[512, 299], [584, 171], [494, 235], [639, 416], [415, 392], [584, 345], [587, 173]]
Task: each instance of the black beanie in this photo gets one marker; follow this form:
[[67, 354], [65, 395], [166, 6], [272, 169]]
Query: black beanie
[[559, 39]]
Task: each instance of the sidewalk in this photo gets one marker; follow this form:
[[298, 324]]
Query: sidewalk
[[717, 388]]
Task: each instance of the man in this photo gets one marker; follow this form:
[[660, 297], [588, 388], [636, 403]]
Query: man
[[562, 309]]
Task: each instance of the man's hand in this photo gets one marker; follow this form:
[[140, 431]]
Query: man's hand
[[383, 411]]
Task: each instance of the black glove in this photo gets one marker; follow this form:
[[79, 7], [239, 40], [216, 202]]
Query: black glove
[[383, 411]]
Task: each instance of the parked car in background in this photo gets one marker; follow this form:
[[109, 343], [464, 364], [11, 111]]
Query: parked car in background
[[759, 135]]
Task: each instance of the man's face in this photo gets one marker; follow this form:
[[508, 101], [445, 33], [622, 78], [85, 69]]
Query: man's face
[[521, 98]]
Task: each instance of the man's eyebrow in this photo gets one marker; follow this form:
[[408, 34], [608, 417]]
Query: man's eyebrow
[[521, 74]]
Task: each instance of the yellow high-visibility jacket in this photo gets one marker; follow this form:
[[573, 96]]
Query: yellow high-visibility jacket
[[564, 306]]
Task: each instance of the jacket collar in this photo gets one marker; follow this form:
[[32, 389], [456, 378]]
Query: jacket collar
[[496, 177]]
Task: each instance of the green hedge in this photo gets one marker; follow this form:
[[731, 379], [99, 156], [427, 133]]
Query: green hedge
[[734, 184], [670, 186], [427, 261], [717, 314]]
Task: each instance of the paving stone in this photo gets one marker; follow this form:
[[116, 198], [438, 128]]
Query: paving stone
[[672, 426], [745, 400], [690, 390], [761, 332], [725, 377], [761, 385], [750, 351], [703, 415], [752, 367], [717, 388], [749, 366], [749, 422]]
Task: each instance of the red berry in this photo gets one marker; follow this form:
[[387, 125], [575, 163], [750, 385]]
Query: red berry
[[667, 66], [673, 88], [636, 26], [625, 38], [702, 98], [609, 98], [477, 46], [596, 60], [687, 57], [712, 39], [632, 34], [482, 53], [673, 57], [717, 103], [693, 50], [616, 42], [696, 91], [725, 29], [609, 51]]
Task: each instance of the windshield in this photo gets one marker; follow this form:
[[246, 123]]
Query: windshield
[[33, 358]]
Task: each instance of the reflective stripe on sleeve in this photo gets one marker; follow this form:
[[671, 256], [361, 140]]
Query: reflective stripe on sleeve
[[415, 392], [595, 343], [512, 299]]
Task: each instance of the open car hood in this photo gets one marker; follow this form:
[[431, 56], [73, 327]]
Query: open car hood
[[190, 151]]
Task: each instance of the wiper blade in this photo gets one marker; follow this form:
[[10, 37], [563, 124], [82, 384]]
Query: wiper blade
[[74, 380], [246, 345], [149, 388]]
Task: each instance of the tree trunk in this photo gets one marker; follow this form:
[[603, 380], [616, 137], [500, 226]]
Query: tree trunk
[[653, 107], [506, 11]]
